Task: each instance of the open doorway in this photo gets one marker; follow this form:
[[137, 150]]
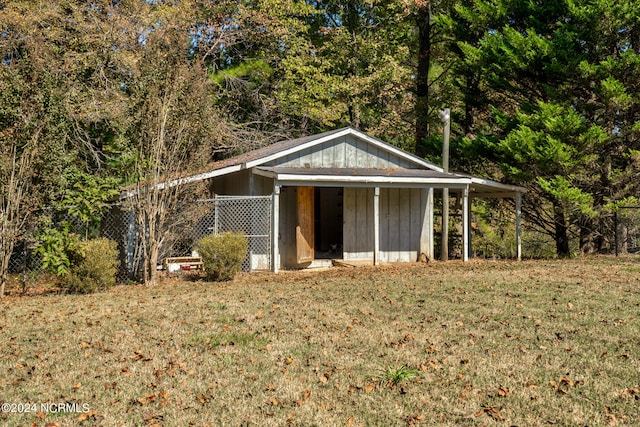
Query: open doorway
[[329, 222]]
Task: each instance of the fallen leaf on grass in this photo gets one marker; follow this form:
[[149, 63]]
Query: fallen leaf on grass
[[413, 420], [139, 355], [85, 416], [305, 395], [402, 342], [633, 392], [489, 411], [153, 419], [272, 401], [564, 385], [612, 420], [503, 391], [146, 399]]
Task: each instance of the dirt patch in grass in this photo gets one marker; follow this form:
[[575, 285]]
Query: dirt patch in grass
[[481, 343]]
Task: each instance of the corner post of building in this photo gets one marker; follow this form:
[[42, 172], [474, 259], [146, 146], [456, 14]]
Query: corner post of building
[[275, 228], [470, 224], [376, 226], [465, 224], [426, 236], [519, 225]]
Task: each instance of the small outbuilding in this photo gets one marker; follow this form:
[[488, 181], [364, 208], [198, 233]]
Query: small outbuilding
[[346, 195]]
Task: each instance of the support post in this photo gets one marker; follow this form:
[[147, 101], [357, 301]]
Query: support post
[[444, 240], [615, 228], [376, 226], [275, 228], [465, 224], [426, 236], [445, 116], [519, 226], [470, 228]]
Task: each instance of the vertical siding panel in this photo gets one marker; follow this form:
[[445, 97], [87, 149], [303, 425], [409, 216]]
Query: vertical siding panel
[[350, 153], [315, 157], [404, 220], [395, 219], [327, 154], [384, 225], [372, 156], [362, 215], [349, 218], [361, 156], [416, 223], [299, 159], [369, 236], [383, 159], [304, 157], [339, 153]]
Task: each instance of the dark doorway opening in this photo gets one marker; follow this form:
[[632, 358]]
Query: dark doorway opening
[[329, 221]]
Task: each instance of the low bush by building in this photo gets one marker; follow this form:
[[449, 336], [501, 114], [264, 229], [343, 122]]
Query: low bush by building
[[94, 264], [222, 255]]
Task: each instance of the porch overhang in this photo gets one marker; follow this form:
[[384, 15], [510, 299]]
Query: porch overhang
[[363, 177], [491, 189]]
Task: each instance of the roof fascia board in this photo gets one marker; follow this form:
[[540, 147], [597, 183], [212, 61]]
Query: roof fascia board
[[494, 194], [494, 184], [186, 180], [206, 175], [350, 179], [437, 186]]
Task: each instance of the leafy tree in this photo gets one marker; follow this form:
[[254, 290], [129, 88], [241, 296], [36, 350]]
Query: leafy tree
[[172, 126], [348, 64], [434, 83], [561, 118], [33, 125]]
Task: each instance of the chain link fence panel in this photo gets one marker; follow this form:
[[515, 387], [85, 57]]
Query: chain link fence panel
[[250, 215]]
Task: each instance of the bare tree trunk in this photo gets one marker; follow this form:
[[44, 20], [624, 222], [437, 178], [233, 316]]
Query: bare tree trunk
[[14, 209], [422, 79], [4, 268], [587, 236], [561, 232]]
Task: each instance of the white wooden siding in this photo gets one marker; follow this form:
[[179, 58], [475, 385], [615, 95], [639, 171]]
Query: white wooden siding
[[343, 152], [358, 224], [402, 216], [240, 184], [402, 213]]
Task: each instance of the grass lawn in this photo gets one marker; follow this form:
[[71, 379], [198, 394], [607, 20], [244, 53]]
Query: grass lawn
[[481, 343]]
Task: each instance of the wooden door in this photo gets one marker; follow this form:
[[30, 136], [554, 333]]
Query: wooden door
[[305, 229]]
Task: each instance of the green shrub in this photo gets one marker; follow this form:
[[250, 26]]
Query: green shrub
[[54, 246], [94, 265], [222, 254]]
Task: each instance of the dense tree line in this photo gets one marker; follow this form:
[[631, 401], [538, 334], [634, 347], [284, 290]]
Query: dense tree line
[[97, 95]]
